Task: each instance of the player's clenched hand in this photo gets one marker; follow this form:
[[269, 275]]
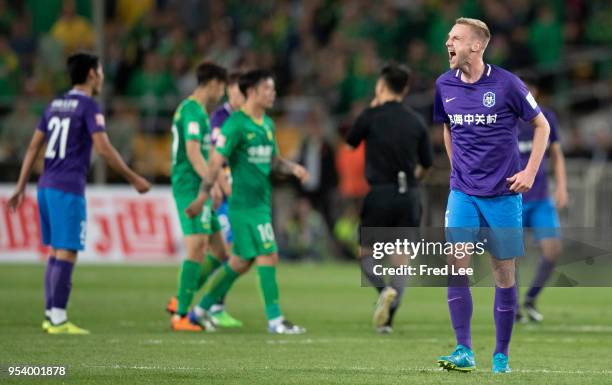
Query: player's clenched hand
[[561, 198], [521, 181], [141, 184], [15, 200], [196, 206], [300, 173]]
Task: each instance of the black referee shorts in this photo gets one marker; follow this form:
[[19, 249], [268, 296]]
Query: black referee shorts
[[384, 206]]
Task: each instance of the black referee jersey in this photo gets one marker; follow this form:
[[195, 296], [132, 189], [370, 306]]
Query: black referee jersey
[[396, 141]]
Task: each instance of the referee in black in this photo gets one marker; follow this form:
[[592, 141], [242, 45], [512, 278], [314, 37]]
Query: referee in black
[[397, 155]]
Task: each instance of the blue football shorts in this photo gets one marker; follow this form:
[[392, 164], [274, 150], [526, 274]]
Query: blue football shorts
[[496, 221], [542, 218], [63, 219]]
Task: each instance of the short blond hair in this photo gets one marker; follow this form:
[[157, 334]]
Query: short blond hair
[[479, 27]]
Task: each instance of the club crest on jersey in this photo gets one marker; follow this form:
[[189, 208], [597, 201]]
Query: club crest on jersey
[[488, 99]]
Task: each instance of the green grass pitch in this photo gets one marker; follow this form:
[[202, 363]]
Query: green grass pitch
[[132, 344]]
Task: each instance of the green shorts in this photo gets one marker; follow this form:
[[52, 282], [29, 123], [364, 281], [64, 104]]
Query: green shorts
[[253, 233], [205, 223]]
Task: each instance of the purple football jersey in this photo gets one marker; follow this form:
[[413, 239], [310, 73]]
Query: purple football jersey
[[218, 118], [68, 123], [483, 125], [539, 190]]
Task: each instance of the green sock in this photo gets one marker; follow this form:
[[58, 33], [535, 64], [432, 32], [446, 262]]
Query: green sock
[[188, 281], [269, 289], [209, 265], [218, 286]]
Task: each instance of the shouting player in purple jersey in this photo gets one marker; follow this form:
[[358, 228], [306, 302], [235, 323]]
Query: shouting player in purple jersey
[[539, 210], [70, 125], [480, 105]]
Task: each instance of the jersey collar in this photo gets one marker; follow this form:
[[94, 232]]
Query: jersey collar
[[486, 73], [199, 104], [258, 122], [77, 92]]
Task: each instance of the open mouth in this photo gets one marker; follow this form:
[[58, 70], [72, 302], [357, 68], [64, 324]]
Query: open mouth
[[451, 55]]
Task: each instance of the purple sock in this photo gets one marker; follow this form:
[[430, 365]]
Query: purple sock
[[504, 310], [50, 263], [545, 269], [61, 283], [460, 308]]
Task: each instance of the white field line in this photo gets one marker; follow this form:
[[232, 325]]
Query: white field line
[[354, 368]]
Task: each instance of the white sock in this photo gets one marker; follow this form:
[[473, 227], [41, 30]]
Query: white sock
[[274, 322], [48, 313], [58, 315], [216, 308], [198, 311]]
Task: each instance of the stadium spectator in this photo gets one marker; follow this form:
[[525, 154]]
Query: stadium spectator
[[9, 72], [546, 37], [72, 30], [16, 132], [154, 87], [7, 17], [317, 156]]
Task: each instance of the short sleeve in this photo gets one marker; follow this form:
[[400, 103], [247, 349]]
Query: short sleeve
[[439, 113], [94, 119], [42, 123], [192, 120], [521, 101], [229, 138], [360, 129], [553, 123]]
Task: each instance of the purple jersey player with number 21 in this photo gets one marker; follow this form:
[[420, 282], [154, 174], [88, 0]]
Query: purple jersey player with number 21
[[479, 105], [70, 126]]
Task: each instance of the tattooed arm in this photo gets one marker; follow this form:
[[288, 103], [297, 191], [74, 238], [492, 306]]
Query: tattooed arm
[[286, 167]]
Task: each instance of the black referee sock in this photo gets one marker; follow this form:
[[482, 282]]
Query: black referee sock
[[398, 282], [367, 268]]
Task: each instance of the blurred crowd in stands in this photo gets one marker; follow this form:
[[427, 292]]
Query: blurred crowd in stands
[[325, 54]]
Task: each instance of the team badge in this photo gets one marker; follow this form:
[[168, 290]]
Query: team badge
[[100, 120], [488, 99], [193, 128], [221, 139]]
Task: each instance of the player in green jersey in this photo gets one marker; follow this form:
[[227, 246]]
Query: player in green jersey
[[190, 147], [247, 142]]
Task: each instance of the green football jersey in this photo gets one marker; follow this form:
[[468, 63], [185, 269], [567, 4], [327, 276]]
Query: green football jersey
[[249, 148], [190, 122]]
